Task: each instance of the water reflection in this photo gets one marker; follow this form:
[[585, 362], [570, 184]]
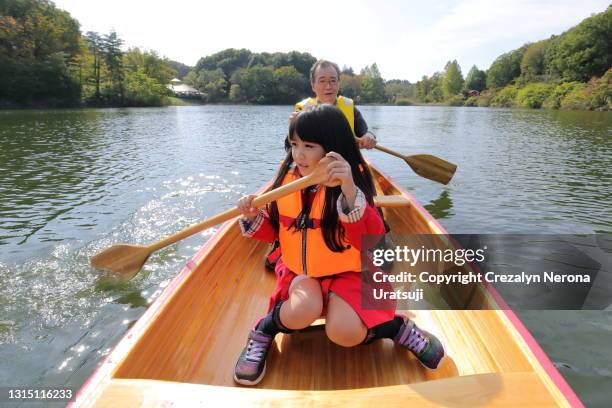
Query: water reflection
[[441, 207]]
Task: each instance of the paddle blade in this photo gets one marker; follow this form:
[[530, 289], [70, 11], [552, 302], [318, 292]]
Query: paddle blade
[[124, 259], [431, 167]]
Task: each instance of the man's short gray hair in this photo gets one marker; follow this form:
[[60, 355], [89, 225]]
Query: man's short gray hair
[[323, 64]]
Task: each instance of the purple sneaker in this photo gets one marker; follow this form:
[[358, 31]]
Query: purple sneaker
[[424, 345], [251, 365]]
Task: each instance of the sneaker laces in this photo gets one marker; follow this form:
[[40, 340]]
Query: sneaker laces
[[256, 350], [416, 340]]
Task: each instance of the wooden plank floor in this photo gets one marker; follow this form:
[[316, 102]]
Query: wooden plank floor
[[200, 334]]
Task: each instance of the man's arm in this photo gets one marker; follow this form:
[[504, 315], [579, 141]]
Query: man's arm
[[368, 140]]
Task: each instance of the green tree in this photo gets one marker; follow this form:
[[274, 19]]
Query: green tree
[[96, 48], [350, 85], [181, 69], [430, 89], [347, 71], [142, 90], [476, 79], [228, 61], [372, 84], [146, 77], [38, 44], [505, 69], [212, 84], [533, 63], [113, 57], [258, 84], [290, 85], [453, 80], [397, 89], [583, 51]]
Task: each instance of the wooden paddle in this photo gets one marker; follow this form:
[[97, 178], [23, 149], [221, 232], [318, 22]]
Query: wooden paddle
[[127, 259], [426, 165]]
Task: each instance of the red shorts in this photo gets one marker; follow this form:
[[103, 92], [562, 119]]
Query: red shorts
[[347, 285]]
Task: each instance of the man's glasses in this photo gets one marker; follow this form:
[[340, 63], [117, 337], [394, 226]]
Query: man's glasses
[[330, 82]]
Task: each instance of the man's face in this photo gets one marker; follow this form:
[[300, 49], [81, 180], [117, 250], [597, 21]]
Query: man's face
[[326, 84]]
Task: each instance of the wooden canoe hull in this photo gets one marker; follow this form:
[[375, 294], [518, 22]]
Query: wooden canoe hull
[[189, 339]]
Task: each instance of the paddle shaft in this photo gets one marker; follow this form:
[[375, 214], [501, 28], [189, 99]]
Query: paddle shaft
[[302, 183], [391, 152]]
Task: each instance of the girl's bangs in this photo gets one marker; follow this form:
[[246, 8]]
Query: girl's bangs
[[307, 128]]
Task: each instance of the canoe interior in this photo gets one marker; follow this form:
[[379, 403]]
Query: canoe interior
[[199, 332]]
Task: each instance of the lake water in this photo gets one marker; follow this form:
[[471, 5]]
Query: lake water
[[73, 182]]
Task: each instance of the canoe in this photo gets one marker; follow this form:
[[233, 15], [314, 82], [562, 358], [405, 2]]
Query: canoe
[[182, 351]]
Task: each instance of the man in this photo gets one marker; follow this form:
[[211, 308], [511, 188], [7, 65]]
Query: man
[[325, 83]]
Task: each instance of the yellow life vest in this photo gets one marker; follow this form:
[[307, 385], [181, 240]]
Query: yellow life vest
[[343, 103], [305, 251]]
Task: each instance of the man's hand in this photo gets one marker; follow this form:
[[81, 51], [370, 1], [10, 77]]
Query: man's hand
[[367, 141]]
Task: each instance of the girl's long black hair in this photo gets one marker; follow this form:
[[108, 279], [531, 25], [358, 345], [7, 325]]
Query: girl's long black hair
[[327, 126]]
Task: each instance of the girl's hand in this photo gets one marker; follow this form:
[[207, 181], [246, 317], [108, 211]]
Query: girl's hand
[[339, 169], [245, 205]]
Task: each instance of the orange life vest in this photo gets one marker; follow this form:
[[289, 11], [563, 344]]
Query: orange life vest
[[305, 251]]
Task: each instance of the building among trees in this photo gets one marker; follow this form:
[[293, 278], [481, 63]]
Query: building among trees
[[182, 90]]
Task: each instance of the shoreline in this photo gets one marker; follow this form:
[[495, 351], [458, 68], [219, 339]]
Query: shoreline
[[189, 102]]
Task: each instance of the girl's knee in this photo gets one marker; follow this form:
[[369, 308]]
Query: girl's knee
[[304, 305], [343, 326], [345, 335]]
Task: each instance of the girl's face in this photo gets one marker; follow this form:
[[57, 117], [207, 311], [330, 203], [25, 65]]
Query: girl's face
[[306, 155]]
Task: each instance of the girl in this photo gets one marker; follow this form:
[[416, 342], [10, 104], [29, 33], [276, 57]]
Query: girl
[[320, 231]]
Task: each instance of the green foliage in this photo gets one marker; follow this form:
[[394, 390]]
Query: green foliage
[[532, 64], [372, 85], [181, 69], [429, 89], [452, 82], [601, 92], [347, 71], [236, 95], [402, 101], [38, 44], [398, 90], [505, 69], [143, 90], [350, 85], [257, 83], [260, 78], [113, 57], [533, 95], [212, 84], [456, 100], [151, 63], [471, 101], [228, 61], [583, 51], [289, 84], [505, 98], [553, 101], [576, 99], [476, 79]]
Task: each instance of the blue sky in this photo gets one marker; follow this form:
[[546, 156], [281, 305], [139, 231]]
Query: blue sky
[[407, 39]]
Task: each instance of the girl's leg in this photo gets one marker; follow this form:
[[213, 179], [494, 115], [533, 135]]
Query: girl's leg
[[343, 326], [304, 305]]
